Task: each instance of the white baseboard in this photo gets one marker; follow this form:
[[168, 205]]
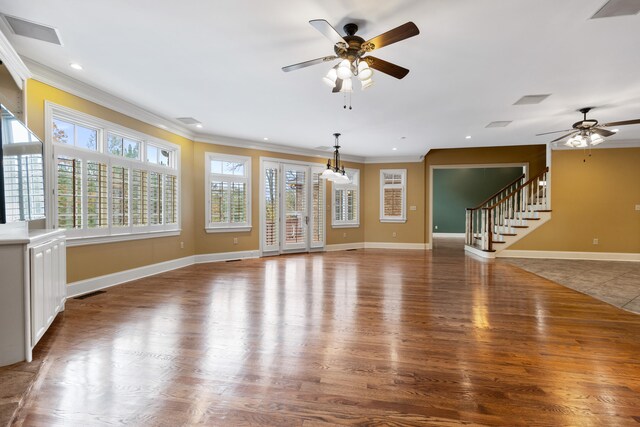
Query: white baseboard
[[225, 256], [479, 253], [595, 256], [343, 247], [389, 245], [96, 283], [448, 235]]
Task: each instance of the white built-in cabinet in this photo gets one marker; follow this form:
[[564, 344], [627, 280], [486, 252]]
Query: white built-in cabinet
[[32, 289]]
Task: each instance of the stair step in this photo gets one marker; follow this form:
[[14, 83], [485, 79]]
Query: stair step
[[520, 226], [497, 241], [507, 234]]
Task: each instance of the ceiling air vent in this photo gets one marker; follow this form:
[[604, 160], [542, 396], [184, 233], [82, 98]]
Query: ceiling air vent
[[531, 99], [188, 120], [498, 124], [618, 8], [32, 30]]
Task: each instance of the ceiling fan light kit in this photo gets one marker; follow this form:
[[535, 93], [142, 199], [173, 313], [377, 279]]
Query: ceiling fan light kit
[[351, 50], [588, 132]]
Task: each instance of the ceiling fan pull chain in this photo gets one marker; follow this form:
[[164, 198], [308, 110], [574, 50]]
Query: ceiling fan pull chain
[[350, 101]]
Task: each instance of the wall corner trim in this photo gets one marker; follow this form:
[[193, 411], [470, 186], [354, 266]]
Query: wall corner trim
[[594, 256]]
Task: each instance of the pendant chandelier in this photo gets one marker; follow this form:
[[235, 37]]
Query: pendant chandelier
[[335, 171]]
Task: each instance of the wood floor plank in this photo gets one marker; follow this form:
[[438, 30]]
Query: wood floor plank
[[367, 337]]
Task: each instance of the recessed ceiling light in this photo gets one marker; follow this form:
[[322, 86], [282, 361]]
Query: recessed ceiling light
[[265, 138], [394, 149], [403, 137], [161, 126], [468, 137], [615, 130], [75, 66], [199, 125]]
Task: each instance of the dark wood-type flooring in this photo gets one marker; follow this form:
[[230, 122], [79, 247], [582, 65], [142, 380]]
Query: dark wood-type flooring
[[367, 337]]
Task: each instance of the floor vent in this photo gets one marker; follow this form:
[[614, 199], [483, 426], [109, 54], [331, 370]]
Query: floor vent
[[90, 294], [349, 250], [233, 260]]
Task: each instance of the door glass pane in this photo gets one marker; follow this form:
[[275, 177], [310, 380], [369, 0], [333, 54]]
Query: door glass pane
[[317, 233], [271, 206], [295, 206]]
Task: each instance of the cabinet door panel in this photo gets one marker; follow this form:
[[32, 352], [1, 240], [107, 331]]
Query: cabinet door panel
[[37, 294]]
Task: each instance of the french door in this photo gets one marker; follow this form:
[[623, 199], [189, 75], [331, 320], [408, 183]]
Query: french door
[[292, 208]]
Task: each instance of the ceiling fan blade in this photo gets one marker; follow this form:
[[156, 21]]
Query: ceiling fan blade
[[338, 86], [602, 132], [555, 131], [386, 67], [400, 33], [623, 123], [564, 136], [327, 30], [308, 63]]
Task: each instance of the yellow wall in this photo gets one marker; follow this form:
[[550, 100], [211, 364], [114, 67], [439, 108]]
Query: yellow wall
[[534, 155], [88, 261], [411, 231], [223, 242], [591, 199]]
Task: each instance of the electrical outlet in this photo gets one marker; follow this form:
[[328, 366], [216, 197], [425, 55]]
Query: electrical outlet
[[235, 240], [413, 208], [394, 234], [344, 234], [595, 241], [181, 245], [638, 207]]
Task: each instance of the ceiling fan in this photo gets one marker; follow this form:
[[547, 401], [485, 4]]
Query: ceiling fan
[[588, 132], [351, 49]]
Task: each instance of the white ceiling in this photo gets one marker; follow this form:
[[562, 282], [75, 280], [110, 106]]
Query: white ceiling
[[220, 63]]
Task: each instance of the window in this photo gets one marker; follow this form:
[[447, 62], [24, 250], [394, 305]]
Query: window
[[346, 201], [228, 187], [105, 185], [393, 189]]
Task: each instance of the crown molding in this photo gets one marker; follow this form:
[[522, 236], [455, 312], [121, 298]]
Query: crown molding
[[68, 84], [17, 68], [398, 159], [277, 148]]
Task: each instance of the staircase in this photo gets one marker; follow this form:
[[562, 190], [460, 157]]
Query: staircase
[[507, 216]]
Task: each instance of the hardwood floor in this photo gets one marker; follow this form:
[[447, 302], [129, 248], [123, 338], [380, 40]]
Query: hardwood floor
[[367, 337]]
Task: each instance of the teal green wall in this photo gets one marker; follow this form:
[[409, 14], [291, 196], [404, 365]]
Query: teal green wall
[[454, 190]]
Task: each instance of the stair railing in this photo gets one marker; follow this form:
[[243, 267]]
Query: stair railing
[[502, 216], [474, 215]]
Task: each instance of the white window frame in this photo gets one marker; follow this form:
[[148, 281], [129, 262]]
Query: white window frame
[[110, 233], [226, 227], [403, 186], [353, 185]]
